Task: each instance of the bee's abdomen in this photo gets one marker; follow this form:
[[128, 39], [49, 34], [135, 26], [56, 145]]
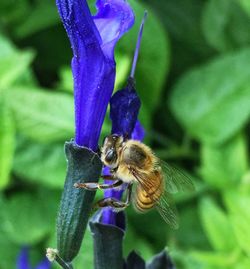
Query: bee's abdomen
[[148, 193]]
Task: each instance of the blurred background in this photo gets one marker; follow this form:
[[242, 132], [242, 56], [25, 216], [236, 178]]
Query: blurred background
[[193, 78]]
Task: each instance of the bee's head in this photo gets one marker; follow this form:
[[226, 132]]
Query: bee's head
[[110, 150]]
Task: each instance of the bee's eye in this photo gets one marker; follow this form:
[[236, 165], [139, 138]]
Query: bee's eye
[[110, 156]]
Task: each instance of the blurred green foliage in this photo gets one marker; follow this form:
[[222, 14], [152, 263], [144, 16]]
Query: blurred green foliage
[[193, 78]]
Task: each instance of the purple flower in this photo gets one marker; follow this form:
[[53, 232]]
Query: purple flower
[[23, 261], [93, 39], [124, 109]]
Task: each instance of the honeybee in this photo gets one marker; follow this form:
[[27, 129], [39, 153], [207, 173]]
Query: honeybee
[[131, 161]]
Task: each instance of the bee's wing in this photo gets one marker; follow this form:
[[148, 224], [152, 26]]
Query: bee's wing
[[176, 179], [167, 210], [164, 204]]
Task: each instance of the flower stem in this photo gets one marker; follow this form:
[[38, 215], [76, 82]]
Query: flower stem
[[62, 263]]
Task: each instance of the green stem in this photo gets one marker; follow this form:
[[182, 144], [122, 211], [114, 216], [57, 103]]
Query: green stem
[[62, 263]]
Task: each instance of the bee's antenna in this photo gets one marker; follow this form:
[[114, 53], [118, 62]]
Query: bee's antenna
[[138, 44]]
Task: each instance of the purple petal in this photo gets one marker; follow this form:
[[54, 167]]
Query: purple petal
[[113, 19], [23, 259], [93, 75], [45, 264], [125, 104], [93, 85], [93, 63], [124, 109], [139, 132], [79, 26], [109, 217]]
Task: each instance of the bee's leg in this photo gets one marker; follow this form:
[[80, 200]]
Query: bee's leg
[[93, 186], [129, 193], [115, 203], [111, 202], [105, 177]]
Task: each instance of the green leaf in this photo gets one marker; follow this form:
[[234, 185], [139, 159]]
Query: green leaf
[[225, 24], [218, 260], [26, 218], [42, 15], [13, 67], [245, 5], [243, 263], [13, 64], [27, 79], [7, 142], [66, 79], [12, 12], [214, 21], [213, 101], [9, 253], [42, 115], [155, 232], [217, 226], [225, 165], [184, 259], [189, 221], [181, 18], [6, 47], [122, 69], [40, 163], [238, 206]]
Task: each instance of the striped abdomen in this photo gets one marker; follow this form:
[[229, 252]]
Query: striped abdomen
[[149, 191]]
